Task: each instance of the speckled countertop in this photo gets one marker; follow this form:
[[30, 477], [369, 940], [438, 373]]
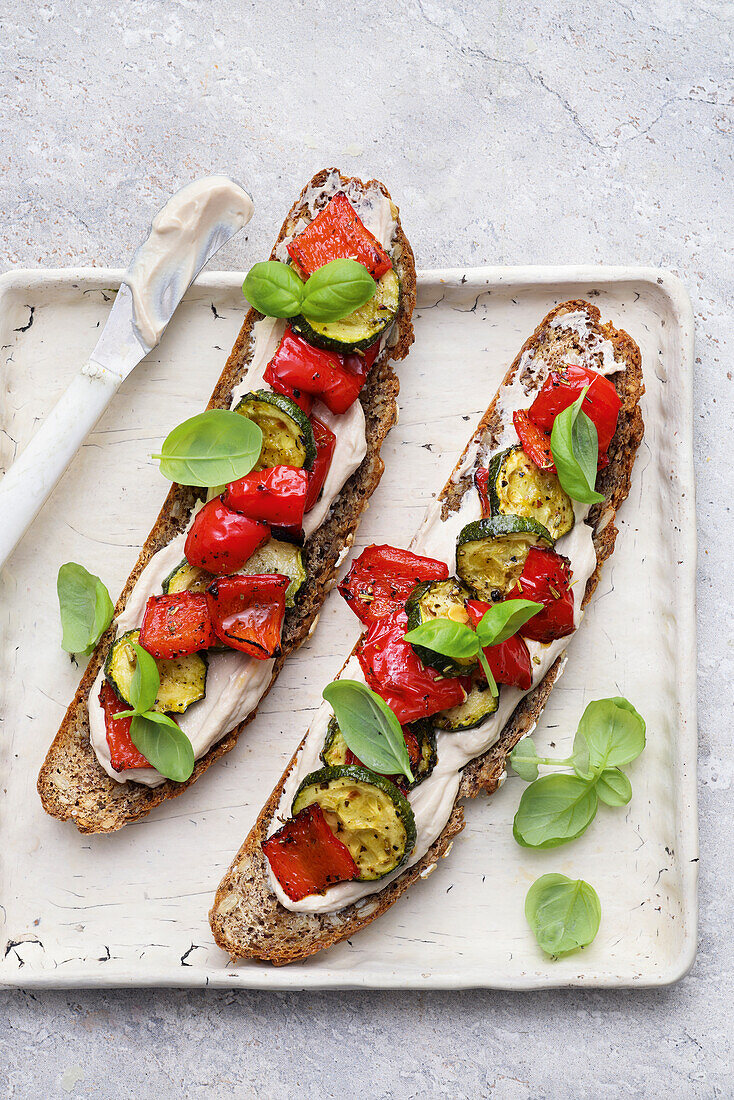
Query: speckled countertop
[[551, 132]]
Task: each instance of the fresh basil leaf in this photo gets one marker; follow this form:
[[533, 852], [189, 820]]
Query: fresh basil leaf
[[336, 290], [524, 759], [369, 727], [614, 733], [274, 289], [85, 607], [553, 810], [580, 757], [564, 914], [145, 681], [163, 744], [502, 620], [446, 637], [212, 448], [575, 450], [613, 787]]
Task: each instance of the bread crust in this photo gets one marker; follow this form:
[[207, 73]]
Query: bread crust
[[72, 784], [246, 918]]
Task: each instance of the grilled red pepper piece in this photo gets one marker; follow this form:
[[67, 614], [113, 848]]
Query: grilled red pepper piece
[[481, 480], [306, 857], [361, 361], [177, 624], [510, 660], [297, 365], [303, 400], [222, 541], [338, 233], [382, 578], [561, 388], [123, 754], [325, 441], [247, 612], [276, 496], [535, 443], [393, 670], [546, 577]]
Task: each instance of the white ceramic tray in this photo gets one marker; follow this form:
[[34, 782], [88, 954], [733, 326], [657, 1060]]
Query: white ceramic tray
[[131, 909]]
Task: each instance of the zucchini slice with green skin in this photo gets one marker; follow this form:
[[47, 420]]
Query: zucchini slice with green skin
[[183, 680], [479, 705], [287, 433], [439, 600], [491, 553], [359, 329], [367, 812], [187, 578], [279, 557], [334, 752], [517, 487]]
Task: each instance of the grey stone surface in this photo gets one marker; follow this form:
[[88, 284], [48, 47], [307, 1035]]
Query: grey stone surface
[[550, 132]]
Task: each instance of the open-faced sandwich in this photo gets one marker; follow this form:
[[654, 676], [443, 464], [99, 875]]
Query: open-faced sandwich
[[230, 580], [465, 635]]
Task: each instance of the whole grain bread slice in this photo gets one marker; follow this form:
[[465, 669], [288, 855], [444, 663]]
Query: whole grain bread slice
[[71, 783], [246, 918]]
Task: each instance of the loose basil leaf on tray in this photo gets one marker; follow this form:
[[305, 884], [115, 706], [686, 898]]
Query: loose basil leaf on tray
[[336, 290], [525, 760], [564, 914], [575, 450], [613, 732], [163, 744], [613, 787], [212, 448], [85, 607], [553, 810], [274, 289], [369, 727]]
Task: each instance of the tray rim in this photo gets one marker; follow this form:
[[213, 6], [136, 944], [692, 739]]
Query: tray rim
[[266, 977]]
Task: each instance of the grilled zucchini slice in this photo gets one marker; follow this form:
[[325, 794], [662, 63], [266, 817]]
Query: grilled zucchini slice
[[476, 708], [279, 557], [368, 814], [334, 752], [183, 680], [439, 600], [359, 329], [187, 578], [287, 433], [517, 487], [491, 553]]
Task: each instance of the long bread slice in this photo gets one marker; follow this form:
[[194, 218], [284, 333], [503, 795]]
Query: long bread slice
[[246, 919], [71, 783]]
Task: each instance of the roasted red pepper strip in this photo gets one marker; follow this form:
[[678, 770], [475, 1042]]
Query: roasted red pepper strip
[[382, 578], [247, 612], [325, 443], [338, 233], [481, 480], [535, 443], [222, 541], [177, 624], [393, 670], [546, 578], [306, 857], [276, 496], [361, 361], [303, 400], [297, 365], [510, 660], [561, 388], [123, 754]]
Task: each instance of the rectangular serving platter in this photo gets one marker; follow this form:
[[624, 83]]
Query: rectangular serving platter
[[130, 909]]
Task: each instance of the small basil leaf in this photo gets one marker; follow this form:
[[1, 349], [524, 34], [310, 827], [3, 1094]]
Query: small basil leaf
[[564, 914], [575, 450], [369, 727], [85, 607], [336, 290], [145, 682], [212, 448], [163, 744], [553, 810], [614, 733], [613, 787], [273, 289], [580, 757], [446, 637], [502, 620], [524, 759]]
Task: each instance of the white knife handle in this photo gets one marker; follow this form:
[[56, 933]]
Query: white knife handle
[[33, 475]]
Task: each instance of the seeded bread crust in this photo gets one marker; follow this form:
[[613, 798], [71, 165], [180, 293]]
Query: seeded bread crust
[[72, 784], [246, 919]]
